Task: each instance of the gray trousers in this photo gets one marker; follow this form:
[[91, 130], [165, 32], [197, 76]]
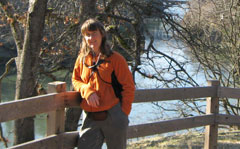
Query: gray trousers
[[113, 130]]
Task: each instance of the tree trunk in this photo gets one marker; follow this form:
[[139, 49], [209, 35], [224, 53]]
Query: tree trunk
[[27, 66], [87, 9]]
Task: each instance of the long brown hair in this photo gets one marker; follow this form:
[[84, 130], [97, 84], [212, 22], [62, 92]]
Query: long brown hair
[[93, 25]]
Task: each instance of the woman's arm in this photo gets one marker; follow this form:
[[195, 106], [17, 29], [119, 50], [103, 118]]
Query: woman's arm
[[78, 84]]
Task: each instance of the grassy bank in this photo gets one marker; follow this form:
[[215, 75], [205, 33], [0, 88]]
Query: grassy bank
[[226, 140]]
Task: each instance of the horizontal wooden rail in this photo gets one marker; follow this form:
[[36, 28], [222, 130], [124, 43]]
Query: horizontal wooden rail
[[64, 140], [169, 126], [226, 92], [49, 102], [52, 141], [36, 105], [228, 119], [150, 95]]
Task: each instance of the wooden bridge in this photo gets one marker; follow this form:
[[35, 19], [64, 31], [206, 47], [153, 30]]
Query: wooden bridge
[[55, 103]]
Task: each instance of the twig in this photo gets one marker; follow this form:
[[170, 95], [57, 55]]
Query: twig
[[7, 68]]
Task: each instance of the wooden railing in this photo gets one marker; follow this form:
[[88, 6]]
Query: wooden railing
[[58, 99]]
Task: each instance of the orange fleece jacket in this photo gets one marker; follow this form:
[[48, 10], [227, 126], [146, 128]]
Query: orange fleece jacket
[[115, 62]]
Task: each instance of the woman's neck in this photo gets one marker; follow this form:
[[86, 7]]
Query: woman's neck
[[95, 53]]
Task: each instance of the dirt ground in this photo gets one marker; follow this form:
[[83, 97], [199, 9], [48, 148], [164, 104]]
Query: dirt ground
[[226, 140]]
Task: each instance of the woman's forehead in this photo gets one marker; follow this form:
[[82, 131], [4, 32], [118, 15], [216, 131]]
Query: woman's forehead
[[91, 31], [88, 30]]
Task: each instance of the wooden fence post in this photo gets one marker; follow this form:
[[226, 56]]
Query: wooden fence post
[[211, 131], [56, 119]]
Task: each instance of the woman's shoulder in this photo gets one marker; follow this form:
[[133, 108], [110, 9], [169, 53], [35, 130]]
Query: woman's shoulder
[[117, 59], [116, 55]]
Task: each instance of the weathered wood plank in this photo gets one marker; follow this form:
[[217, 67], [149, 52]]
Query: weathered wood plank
[[226, 92], [65, 140], [36, 105], [29, 106], [169, 126], [70, 139], [228, 119], [53, 141], [149, 95], [56, 118], [211, 131]]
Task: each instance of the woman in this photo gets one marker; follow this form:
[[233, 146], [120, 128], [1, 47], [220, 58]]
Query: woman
[[105, 113]]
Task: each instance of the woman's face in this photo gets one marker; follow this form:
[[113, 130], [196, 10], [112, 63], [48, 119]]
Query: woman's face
[[94, 40]]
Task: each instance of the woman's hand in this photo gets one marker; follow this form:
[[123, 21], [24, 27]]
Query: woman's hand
[[93, 100]]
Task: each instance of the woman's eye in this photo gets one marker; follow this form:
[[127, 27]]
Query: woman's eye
[[91, 34]]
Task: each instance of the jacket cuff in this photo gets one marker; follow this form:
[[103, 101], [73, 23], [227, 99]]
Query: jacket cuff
[[86, 91], [126, 110]]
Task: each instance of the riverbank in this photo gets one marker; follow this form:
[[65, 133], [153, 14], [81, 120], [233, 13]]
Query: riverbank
[[191, 140]]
